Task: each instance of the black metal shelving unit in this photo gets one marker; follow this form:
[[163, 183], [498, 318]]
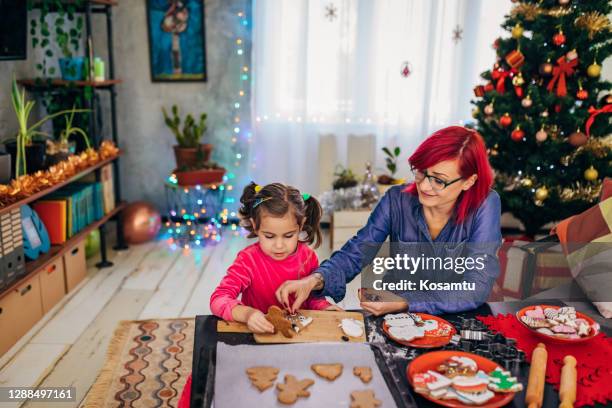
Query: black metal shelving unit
[[90, 8]]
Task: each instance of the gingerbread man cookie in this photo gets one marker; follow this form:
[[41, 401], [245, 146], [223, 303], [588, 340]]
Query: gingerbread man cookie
[[364, 373], [328, 371], [292, 389], [364, 399], [262, 377], [277, 317]]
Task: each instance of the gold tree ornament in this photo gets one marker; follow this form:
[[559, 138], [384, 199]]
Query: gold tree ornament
[[593, 22], [541, 193], [591, 174], [559, 11], [527, 182]]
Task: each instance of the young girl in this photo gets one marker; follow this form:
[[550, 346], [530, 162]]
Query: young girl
[[285, 223]]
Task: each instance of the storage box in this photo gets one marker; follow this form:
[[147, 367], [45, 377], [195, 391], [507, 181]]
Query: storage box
[[52, 284], [19, 311], [75, 265], [345, 224]]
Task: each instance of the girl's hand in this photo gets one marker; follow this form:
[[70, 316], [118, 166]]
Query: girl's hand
[[257, 322], [300, 288], [382, 308]]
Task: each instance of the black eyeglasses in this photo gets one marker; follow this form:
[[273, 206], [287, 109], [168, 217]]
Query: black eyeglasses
[[436, 183]]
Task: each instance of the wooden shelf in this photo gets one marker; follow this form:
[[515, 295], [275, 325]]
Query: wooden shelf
[[46, 191], [37, 4], [56, 251], [43, 83]]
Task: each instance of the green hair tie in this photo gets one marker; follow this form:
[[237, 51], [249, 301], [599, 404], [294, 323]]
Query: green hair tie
[[305, 196]]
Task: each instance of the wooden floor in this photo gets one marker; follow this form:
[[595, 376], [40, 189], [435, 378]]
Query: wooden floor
[[68, 347]]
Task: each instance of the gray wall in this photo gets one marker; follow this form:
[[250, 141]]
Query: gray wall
[[143, 135]]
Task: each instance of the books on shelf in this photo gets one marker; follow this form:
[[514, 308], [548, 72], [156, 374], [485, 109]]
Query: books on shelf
[[69, 210]]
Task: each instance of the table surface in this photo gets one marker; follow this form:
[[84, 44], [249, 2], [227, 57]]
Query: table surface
[[392, 358]]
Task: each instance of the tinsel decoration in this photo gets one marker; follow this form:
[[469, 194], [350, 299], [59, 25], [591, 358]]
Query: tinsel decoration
[[598, 147], [594, 22], [26, 185], [588, 192], [528, 11], [559, 11]]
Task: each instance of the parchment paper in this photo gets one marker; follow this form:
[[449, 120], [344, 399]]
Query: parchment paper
[[233, 389]]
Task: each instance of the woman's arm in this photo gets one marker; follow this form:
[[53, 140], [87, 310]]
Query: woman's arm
[[331, 277], [345, 264], [484, 240]]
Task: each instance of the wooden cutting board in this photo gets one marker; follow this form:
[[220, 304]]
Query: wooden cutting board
[[324, 327]]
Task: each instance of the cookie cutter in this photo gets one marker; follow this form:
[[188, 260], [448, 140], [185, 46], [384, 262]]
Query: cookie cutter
[[473, 335]]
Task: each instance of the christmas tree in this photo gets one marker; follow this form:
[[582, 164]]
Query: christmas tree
[[544, 110]]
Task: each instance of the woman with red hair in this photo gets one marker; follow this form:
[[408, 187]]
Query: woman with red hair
[[449, 204]]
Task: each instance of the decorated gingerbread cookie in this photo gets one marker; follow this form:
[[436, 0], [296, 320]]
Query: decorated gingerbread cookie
[[364, 399], [407, 333], [277, 317], [262, 377], [292, 389], [327, 371], [352, 327], [502, 381], [364, 373]]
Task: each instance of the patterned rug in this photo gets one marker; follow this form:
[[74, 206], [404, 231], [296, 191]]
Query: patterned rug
[[147, 364]]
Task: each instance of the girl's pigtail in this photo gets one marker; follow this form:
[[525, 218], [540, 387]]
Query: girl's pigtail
[[312, 227], [246, 210]]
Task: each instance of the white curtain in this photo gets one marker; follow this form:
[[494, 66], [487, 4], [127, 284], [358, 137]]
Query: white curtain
[[334, 67]]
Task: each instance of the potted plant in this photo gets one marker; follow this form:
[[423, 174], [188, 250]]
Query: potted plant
[[59, 150], [345, 178], [28, 151], [391, 158], [201, 173], [68, 28], [188, 149]]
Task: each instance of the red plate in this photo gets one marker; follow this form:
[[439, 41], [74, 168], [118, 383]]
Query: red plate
[[558, 339], [431, 361], [426, 341]]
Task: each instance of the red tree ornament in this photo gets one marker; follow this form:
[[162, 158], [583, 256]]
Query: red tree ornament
[[582, 94], [559, 38], [505, 120], [515, 59], [517, 134]]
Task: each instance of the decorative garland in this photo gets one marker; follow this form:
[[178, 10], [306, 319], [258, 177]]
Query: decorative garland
[[26, 185]]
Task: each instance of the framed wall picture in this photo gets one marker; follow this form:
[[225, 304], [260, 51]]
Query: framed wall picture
[[177, 40]]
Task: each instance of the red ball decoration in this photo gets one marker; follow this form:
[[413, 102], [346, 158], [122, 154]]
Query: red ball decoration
[[577, 139], [582, 94], [557, 108], [505, 120], [559, 39], [517, 134]]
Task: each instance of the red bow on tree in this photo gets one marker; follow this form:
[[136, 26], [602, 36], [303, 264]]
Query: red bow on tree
[[500, 75], [594, 112], [563, 69]]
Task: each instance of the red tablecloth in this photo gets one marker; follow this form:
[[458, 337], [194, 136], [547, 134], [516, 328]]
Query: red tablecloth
[[594, 358]]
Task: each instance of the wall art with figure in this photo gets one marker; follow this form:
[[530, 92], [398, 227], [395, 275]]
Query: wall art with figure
[[177, 41]]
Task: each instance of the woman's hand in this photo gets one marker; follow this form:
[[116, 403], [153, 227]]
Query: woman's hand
[[299, 288], [257, 322], [382, 308], [334, 308]]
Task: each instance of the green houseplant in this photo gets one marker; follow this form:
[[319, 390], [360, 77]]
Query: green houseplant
[[59, 149], [391, 158], [345, 178], [27, 149], [67, 28], [189, 150]]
